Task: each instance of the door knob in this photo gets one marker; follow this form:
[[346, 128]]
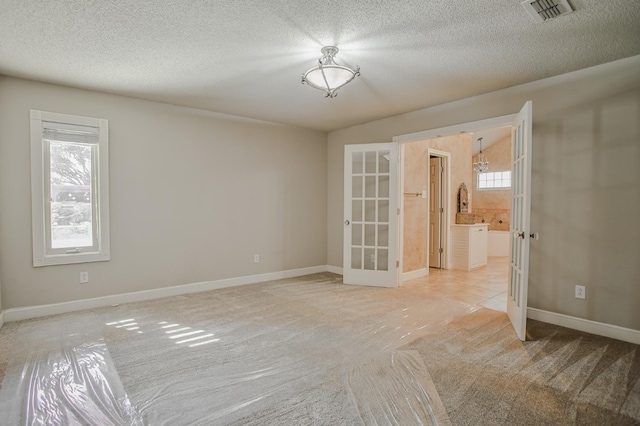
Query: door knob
[[346, 222], [518, 235]]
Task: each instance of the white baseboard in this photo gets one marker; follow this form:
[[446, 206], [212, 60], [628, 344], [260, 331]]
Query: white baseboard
[[588, 326], [1, 319], [334, 269], [19, 314], [411, 275]]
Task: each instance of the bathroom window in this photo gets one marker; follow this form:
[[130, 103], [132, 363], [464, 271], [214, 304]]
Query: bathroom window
[[69, 188], [494, 180]]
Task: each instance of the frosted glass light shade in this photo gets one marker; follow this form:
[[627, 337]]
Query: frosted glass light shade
[[329, 76]]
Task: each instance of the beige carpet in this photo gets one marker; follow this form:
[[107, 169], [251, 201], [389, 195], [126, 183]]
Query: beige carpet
[[311, 350], [486, 377]]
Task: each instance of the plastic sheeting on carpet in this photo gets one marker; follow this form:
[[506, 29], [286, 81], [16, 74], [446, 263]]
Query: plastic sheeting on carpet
[[62, 374], [286, 352]]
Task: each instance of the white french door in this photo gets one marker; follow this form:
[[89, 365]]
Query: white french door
[[520, 220], [371, 214]]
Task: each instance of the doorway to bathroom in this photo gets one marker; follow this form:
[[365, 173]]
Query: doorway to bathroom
[[520, 200]]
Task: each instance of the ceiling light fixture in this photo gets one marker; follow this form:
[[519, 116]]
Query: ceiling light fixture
[[482, 165], [329, 76]]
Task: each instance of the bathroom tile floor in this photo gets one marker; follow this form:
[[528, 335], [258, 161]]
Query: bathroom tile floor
[[486, 287]]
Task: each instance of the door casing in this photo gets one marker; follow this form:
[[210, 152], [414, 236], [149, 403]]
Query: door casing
[[502, 121]]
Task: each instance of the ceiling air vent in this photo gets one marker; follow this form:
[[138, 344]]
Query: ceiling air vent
[[543, 10]]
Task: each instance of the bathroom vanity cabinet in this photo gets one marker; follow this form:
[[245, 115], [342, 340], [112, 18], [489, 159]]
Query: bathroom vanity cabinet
[[469, 246]]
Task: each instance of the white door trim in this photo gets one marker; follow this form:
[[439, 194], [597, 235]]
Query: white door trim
[[473, 126]]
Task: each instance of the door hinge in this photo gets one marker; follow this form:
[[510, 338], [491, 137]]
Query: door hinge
[[397, 263], [398, 211], [441, 169], [440, 250], [441, 209]]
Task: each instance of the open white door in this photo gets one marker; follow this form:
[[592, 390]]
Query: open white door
[[520, 220], [371, 214]]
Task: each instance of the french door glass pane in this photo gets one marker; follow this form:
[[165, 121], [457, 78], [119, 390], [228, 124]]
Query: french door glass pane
[[356, 187], [357, 164], [383, 235], [383, 260], [370, 213], [370, 235], [356, 258], [383, 211], [383, 162], [369, 259], [383, 186], [356, 211], [370, 162], [356, 234], [370, 186]]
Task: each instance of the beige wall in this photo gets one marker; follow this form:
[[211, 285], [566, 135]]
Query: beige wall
[[494, 206], [585, 184], [194, 195], [415, 181]]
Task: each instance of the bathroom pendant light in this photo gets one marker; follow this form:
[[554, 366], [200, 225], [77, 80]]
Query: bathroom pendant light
[[329, 76], [482, 164]]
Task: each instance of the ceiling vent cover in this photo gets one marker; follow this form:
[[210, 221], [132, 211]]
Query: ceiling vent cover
[[543, 10]]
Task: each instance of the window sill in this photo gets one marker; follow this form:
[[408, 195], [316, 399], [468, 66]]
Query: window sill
[[65, 259]]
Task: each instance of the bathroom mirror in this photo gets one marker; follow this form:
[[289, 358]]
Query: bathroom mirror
[[463, 199]]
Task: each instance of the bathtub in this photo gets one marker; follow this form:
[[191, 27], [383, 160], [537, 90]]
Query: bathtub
[[498, 243]]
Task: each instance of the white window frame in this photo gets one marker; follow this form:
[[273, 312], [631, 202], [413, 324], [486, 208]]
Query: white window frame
[[40, 198], [493, 188]]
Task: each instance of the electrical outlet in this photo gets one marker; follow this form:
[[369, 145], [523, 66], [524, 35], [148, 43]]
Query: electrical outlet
[[581, 292], [256, 258], [373, 258], [84, 277]]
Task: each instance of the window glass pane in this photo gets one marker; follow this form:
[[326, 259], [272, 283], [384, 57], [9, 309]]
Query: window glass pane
[[490, 180], [370, 161], [383, 160], [357, 164], [71, 207]]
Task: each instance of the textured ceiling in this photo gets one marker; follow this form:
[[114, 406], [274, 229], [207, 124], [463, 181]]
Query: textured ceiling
[[246, 57]]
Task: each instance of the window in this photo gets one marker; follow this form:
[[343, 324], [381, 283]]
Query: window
[[69, 188], [494, 180]]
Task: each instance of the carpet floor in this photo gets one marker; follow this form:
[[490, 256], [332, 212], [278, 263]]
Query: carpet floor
[[310, 350], [559, 377]]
